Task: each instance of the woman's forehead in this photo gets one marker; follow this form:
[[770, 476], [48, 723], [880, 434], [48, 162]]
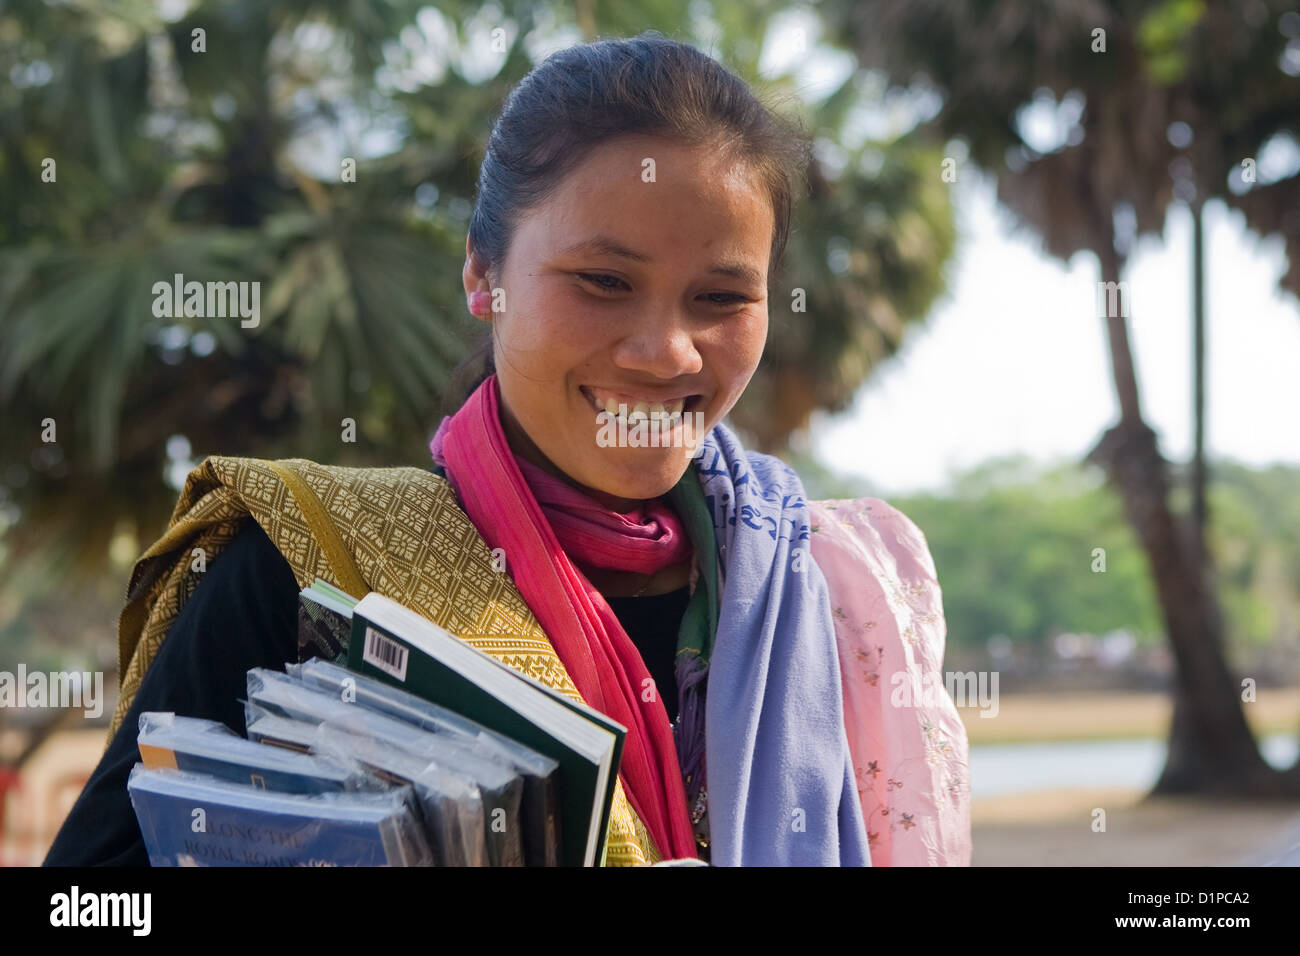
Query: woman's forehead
[[628, 203], [665, 163]]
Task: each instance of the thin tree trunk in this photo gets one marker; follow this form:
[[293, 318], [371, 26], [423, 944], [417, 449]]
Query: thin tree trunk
[[1211, 749], [1199, 511]]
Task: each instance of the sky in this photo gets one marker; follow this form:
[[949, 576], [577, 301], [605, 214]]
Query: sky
[[1014, 358]]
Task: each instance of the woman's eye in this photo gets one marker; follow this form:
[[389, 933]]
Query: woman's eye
[[608, 283], [596, 279], [725, 298]]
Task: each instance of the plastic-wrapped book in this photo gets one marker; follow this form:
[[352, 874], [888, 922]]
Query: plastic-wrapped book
[[191, 819], [210, 747], [540, 808]]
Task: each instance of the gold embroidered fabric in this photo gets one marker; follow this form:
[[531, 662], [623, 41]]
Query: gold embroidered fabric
[[399, 531]]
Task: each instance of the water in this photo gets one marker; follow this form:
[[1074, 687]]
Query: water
[[1004, 769]]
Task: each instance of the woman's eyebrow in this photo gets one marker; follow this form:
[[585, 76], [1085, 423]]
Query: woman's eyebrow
[[610, 246], [606, 245], [736, 270]]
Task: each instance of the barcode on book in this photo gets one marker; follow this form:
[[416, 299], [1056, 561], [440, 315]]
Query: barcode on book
[[384, 653]]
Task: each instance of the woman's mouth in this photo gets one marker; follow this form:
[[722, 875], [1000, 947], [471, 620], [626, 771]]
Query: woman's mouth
[[632, 409]]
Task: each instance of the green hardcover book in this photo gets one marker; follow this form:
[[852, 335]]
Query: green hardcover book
[[613, 726], [397, 645]]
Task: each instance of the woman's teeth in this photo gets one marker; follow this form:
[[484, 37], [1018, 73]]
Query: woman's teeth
[[641, 411]]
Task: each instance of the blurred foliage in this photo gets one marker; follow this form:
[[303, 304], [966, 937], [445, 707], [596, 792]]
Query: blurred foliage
[[1073, 104], [224, 164], [1015, 556], [1013, 545]]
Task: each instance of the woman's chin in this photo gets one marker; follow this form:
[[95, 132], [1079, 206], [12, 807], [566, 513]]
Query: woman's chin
[[650, 477]]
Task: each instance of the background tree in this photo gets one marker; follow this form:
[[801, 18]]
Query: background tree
[[1121, 74], [209, 139]]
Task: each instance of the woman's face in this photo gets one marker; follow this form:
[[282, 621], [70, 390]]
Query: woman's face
[[625, 291]]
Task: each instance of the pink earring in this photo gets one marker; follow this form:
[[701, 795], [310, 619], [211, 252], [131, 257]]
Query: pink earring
[[480, 303]]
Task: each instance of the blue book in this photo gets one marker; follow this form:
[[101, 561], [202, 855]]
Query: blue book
[[456, 785], [451, 813], [190, 819]]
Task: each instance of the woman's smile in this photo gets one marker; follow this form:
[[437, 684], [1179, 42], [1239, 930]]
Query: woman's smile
[[635, 406]]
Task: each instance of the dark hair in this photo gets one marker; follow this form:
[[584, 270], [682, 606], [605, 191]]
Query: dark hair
[[593, 93]]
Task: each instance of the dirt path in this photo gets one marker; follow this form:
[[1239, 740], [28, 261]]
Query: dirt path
[[1054, 828]]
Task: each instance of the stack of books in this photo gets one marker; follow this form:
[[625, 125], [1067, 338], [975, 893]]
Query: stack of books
[[390, 743]]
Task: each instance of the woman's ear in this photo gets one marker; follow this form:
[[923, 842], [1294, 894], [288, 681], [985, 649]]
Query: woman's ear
[[478, 286]]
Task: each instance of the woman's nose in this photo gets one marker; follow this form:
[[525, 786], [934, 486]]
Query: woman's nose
[[664, 348]]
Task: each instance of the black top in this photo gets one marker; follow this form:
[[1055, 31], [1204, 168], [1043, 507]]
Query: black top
[[652, 623], [244, 614]]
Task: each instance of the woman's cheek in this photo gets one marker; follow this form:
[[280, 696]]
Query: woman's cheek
[[536, 346], [743, 348], [567, 331]]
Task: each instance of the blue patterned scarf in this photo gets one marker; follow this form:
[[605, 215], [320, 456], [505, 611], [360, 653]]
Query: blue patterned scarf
[[780, 781]]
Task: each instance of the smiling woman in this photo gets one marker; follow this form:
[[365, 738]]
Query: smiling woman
[[634, 201], [633, 204], [617, 291]]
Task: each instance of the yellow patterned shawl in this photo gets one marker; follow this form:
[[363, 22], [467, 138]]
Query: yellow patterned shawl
[[398, 531]]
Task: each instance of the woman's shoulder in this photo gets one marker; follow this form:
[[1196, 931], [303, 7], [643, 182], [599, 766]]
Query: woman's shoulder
[[871, 527], [244, 593], [250, 571], [249, 560]]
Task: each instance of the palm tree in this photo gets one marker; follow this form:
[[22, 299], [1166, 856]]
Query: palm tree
[[193, 146]]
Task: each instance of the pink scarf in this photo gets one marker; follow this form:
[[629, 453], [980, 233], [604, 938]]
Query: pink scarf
[[540, 521]]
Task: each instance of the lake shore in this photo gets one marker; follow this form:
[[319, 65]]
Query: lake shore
[[1109, 715], [1055, 827]]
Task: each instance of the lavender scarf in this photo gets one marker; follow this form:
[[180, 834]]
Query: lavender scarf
[[781, 787]]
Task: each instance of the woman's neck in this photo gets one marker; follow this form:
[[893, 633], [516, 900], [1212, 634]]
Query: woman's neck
[[630, 584], [526, 448], [608, 582]]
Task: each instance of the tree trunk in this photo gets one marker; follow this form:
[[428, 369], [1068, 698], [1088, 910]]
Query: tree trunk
[[788, 410], [1211, 749], [1199, 511]]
